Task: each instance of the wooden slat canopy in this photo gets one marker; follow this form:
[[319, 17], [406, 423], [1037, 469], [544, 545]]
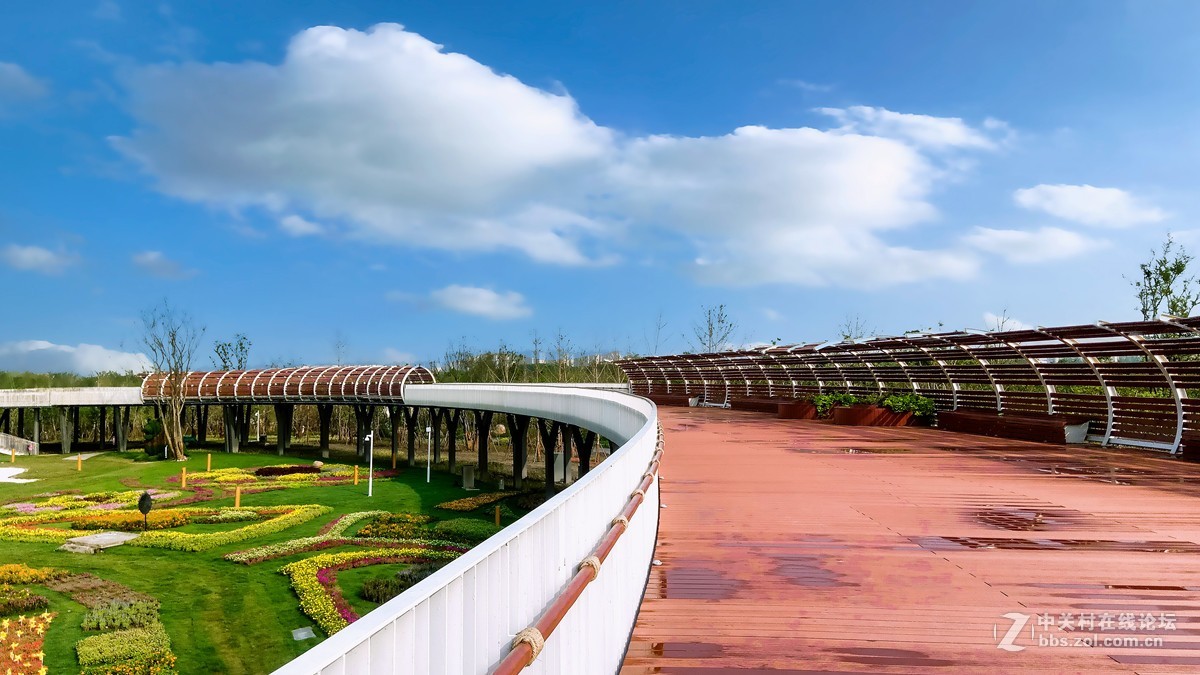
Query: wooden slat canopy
[[304, 384], [1132, 379]]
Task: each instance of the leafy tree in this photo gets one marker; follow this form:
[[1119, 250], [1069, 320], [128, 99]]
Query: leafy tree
[[712, 332], [1163, 280], [232, 354]]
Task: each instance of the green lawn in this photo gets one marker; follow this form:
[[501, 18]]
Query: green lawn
[[221, 616]]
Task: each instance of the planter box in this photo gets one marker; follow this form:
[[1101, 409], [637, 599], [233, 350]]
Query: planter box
[[797, 410], [871, 416]]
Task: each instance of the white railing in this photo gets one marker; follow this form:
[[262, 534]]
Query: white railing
[[462, 619], [68, 396]]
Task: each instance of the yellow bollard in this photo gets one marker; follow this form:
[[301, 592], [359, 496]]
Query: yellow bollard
[[183, 478], [14, 455], [356, 475], [208, 466], [237, 497], [79, 462], [497, 516]]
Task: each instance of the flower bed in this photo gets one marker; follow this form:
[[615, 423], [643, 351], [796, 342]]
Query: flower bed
[[333, 534], [21, 643], [394, 526], [132, 522], [121, 615], [20, 601], [95, 501], [93, 592], [185, 541], [475, 502], [285, 470], [24, 528], [314, 580], [20, 573]]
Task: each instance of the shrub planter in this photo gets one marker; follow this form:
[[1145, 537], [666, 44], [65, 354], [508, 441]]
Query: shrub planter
[[767, 405], [872, 416], [668, 399], [798, 410]]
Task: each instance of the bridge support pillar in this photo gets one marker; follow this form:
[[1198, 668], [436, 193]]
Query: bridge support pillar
[[202, 423], [410, 427], [21, 422], [65, 418], [518, 430], [231, 415], [567, 437], [121, 427], [453, 419], [584, 442], [364, 416], [37, 428], [7, 418], [283, 423], [324, 420], [393, 418], [548, 431], [483, 431], [438, 415], [103, 425]]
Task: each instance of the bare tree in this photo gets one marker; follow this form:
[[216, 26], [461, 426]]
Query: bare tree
[[1001, 321], [654, 340], [339, 347], [171, 337], [564, 353], [537, 357], [713, 330], [854, 327], [1163, 280]]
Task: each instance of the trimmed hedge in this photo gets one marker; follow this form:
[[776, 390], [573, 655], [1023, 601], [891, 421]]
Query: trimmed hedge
[[122, 645], [465, 530]]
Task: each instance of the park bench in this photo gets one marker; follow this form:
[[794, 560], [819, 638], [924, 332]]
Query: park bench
[[1025, 426]]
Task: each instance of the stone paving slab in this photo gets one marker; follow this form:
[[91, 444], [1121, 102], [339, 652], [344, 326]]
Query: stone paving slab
[[783, 551], [94, 543]]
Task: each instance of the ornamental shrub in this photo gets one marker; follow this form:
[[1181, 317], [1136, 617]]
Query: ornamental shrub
[[156, 663], [465, 530], [121, 615], [918, 405], [380, 591], [824, 403], [228, 516], [122, 645]]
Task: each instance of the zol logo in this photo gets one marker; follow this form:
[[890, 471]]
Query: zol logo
[[1007, 643]]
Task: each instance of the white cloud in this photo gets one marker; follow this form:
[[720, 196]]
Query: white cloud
[[398, 357], [382, 136], [16, 84], [299, 227], [482, 302], [40, 356], [107, 10], [1089, 205], [938, 133], [1030, 246], [156, 264], [35, 259], [772, 314], [805, 85], [1003, 321]]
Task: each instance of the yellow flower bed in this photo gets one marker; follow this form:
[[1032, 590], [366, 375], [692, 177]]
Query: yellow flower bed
[[21, 573], [472, 503]]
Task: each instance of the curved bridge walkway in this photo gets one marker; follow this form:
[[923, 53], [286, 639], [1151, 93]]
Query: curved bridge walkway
[[802, 547]]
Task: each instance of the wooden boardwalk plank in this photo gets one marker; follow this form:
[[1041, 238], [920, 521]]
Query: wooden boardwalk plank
[[790, 546]]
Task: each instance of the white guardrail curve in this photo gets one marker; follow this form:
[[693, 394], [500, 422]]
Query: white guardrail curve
[[462, 619]]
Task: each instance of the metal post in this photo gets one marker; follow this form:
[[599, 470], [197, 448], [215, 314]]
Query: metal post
[[428, 456]]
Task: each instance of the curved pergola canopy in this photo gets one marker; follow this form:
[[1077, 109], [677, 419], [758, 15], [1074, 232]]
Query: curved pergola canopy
[[1131, 379], [304, 384]]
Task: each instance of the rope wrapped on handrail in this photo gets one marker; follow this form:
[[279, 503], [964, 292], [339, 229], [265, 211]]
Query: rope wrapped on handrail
[[526, 644]]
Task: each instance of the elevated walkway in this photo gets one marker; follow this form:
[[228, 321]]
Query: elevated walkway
[[793, 546]]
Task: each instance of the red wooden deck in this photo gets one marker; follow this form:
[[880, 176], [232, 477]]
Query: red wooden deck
[[801, 547]]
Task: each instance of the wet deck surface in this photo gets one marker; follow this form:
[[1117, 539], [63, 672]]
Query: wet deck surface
[[802, 547]]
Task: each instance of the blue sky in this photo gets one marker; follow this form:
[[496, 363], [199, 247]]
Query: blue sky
[[404, 176]]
